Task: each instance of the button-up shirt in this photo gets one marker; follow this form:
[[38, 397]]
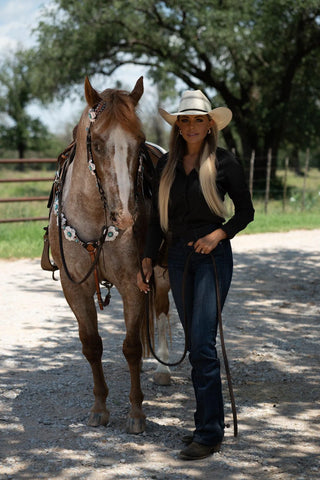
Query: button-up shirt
[[188, 212]]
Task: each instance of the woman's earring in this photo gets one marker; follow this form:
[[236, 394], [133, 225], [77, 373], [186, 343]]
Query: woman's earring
[[209, 131], [180, 133]]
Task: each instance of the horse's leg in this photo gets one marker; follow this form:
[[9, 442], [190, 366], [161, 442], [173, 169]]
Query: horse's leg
[[133, 303], [162, 375], [83, 306]]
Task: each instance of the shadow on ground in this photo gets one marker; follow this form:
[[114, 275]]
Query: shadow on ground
[[271, 323]]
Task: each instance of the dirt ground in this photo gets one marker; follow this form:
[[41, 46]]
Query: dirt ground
[[271, 326]]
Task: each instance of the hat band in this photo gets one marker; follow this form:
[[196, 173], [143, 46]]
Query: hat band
[[197, 109]]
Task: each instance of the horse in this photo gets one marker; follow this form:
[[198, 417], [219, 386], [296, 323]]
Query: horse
[[97, 229]]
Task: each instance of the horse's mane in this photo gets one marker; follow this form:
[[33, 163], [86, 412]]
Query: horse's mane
[[120, 109]]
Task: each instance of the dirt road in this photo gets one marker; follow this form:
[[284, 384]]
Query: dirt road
[[272, 335]]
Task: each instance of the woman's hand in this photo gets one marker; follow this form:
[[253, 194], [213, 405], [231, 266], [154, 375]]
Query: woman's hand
[[147, 271], [209, 242]]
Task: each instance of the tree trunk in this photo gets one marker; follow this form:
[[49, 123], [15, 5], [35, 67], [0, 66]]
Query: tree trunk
[[295, 161]]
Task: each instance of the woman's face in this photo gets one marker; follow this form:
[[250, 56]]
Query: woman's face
[[194, 128]]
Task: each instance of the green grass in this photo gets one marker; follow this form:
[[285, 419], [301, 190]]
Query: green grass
[[29, 189], [283, 222], [25, 240], [21, 240]]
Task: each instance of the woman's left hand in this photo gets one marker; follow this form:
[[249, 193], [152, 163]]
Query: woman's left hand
[[209, 242]]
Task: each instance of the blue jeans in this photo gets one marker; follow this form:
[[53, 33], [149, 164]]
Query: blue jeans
[[200, 313]]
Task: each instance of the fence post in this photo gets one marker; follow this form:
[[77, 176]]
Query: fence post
[[306, 168], [284, 200], [251, 172], [268, 180]]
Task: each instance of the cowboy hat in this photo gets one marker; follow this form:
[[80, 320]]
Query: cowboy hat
[[194, 102]]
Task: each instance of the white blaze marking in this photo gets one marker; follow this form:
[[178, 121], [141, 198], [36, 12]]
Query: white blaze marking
[[121, 141]]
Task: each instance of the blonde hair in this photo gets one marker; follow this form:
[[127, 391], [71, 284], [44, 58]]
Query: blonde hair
[[207, 173]]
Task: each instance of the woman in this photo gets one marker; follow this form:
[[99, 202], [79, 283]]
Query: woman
[[188, 210]]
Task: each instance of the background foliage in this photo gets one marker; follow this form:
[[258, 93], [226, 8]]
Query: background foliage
[[258, 57]]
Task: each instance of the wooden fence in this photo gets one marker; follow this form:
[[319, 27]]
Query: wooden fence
[[268, 178], [53, 160], [9, 161]]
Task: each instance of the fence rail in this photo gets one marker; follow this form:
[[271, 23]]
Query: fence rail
[[25, 161], [267, 191], [23, 199], [24, 180]]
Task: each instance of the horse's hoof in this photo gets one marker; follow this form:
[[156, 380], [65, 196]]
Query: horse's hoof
[[162, 378], [136, 425], [97, 419]]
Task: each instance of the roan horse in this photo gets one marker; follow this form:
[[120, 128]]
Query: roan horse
[[97, 231]]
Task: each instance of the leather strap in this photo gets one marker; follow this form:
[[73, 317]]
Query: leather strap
[[224, 352], [102, 303], [46, 263]]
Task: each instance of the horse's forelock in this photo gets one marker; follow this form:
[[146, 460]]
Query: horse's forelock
[[120, 109]]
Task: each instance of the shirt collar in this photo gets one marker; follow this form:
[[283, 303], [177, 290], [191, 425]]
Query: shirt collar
[[180, 168]]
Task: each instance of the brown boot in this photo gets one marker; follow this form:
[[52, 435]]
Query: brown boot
[[187, 439], [196, 451]]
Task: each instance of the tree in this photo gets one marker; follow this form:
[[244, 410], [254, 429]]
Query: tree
[[251, 56], [302, 129], [18, 130]]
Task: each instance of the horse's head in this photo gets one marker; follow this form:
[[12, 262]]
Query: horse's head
[[116, 135]]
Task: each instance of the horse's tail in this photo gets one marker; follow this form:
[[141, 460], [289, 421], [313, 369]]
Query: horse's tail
[[147, 324]]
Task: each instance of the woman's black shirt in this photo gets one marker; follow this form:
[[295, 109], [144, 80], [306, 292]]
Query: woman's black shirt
[[188, 212]]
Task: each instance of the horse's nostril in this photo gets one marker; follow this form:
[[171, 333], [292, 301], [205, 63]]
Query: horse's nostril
[[113, 216]]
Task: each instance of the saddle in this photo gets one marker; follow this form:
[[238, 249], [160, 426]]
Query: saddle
[[46, 263]]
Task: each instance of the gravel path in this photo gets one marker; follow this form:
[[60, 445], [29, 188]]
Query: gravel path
[[272, 335]]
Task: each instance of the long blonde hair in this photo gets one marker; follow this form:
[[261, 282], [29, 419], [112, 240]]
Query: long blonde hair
[[207, 173]]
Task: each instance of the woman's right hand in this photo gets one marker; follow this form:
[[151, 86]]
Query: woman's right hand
[[147, 271]]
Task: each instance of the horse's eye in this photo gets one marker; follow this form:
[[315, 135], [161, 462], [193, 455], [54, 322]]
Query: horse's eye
[[97, 147]]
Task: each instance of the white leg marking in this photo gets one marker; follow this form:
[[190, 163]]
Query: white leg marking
[[163, 350]]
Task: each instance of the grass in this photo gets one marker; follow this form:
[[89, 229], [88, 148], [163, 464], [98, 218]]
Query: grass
[[25, 240], [276, 221], [21, 240]]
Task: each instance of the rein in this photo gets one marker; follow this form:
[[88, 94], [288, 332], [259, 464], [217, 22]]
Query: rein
[[167, 364], [223, 348]]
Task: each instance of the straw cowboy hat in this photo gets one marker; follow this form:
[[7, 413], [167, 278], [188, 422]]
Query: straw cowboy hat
[[194, 102]]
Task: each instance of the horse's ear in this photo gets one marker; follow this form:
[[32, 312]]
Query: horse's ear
[[92, 96], [137, 92]]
